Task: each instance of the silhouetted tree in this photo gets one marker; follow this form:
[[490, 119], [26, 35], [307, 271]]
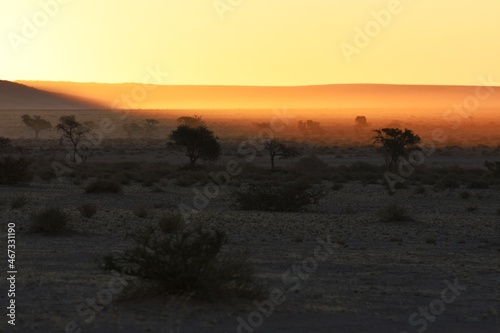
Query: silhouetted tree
[[194, 121], [200, 142], [74, 132], [36, 123], [360, 121], [150, 127], [309, 127], [396, 143], [277, 148]]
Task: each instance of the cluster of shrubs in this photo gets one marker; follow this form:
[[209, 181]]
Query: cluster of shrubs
[[271, 196], [185, 260]]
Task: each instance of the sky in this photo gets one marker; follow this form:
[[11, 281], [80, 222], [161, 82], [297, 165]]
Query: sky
[[251, 42]]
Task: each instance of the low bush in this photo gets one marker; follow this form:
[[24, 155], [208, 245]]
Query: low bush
[[141, 212], [189, 261], [14, 170], [188, 178], [293, 196], [171, 223], [87, 210], [50, 220], [393, 212], [19, 201], [103, 186]]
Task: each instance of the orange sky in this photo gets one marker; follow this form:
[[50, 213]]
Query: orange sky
[[258, 42]]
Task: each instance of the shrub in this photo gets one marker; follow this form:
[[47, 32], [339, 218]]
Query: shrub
[[393, 212], [189, 178], [448, 183], [189, 261], [289, 197], [420, 190], [87, 210], [471, 208], [171, 223], [337, 186], [50, 220], [14, 170], [465, 195], [19, 201], [103, 186], [141, 212]]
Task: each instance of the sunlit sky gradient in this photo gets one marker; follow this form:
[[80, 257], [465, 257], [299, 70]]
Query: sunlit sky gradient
[[260, 42]]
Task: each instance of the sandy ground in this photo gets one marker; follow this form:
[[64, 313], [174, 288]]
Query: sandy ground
[[374, 278]]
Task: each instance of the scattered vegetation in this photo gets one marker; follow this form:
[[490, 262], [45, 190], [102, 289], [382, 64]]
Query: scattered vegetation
[[50, 220], [267, 196], [189, 261], [103, 186]]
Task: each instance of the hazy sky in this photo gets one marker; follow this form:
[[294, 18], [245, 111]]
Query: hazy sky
[[251, 42]]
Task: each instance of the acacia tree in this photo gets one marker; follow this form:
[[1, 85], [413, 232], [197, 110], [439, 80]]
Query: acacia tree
[[395, 144], [194, 121], [200, 142], [150, 127], [280, 149], [37, 123], [74, 132]]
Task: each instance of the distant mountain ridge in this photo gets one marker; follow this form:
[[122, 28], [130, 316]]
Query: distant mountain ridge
[[16, 96]]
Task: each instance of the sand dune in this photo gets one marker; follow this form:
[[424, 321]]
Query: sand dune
[[363, 96], [15, 96]]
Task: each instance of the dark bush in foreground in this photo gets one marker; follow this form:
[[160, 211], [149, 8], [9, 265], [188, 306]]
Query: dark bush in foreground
[[187, 262], [103, 186], [393, 213], [14, 170], [279, 197], [51, 220]]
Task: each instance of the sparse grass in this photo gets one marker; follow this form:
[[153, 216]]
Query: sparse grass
[[395, 239], [87, 210], [171, 223], [19, 201], [186, 262], [50, 220], [471, 208], [103, 186], [393, 212]]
